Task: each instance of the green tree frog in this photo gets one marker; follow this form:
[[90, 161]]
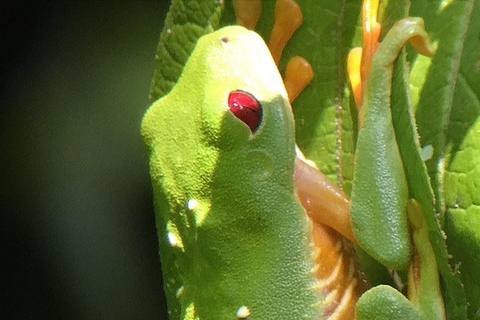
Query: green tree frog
[[235, 240]]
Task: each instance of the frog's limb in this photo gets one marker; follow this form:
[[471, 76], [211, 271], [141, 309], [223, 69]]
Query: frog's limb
[[335, 261], [298, 75], [371, 32], [337, 276], [379, 193], [323, 200], [359, 59], [333, 255], [384, 302], [423, 281], [247, 12], [353, 69], [424, 296], [287, 18]]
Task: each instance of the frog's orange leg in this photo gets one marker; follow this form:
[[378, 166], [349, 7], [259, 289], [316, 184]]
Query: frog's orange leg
[[335, 268], [298, 75], [288, 17], [323, 200], [371, 33], [327, 206], [359, 59], [353, 67], [247, 12]]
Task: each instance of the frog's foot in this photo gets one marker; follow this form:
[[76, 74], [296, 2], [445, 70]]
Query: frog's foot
[[288, 17], [353, 68], [371, 34], [327, 206], [359, 59], [247, 12], [298, 75], [423, 279], [338, 278]]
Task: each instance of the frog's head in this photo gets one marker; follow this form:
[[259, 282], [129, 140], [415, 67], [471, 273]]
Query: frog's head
[[229, 98]]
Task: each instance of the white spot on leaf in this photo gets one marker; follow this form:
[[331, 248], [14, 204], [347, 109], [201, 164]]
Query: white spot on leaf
[[179, 291], [243, 312], [172, 239], [192, 204], [173, 236], [427, 152]]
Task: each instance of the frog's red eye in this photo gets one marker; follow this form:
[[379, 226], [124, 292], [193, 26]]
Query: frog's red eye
[[246, 108]]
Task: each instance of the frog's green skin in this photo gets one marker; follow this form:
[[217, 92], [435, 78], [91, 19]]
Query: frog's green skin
[[380, 192], [247, 241], [379, 195], [384, 302], [233, 237]]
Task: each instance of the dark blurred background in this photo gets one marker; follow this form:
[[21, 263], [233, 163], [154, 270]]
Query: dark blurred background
[[78, 239]]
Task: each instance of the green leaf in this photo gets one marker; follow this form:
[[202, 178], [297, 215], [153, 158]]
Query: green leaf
[[187, 20], [434, 81], [462, 187], [462, 223]]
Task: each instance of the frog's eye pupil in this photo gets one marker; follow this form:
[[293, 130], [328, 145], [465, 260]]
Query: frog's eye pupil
[[246, 108]]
